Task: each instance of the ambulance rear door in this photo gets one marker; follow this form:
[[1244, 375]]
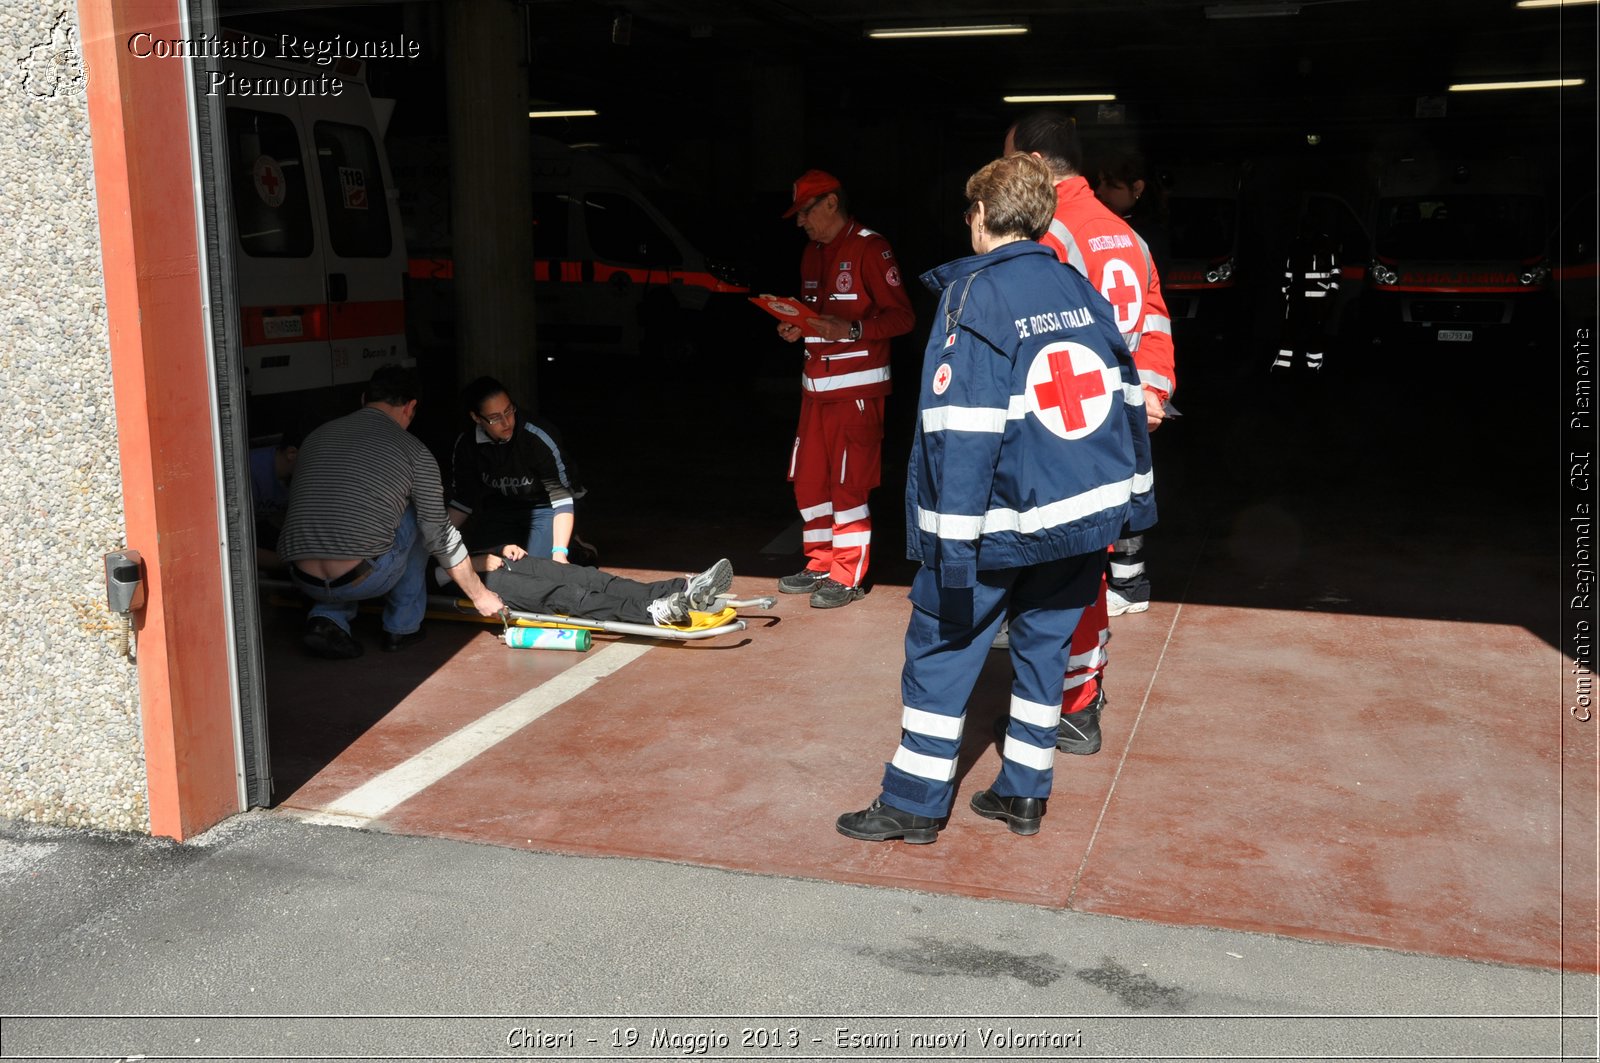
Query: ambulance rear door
[[320, 249]]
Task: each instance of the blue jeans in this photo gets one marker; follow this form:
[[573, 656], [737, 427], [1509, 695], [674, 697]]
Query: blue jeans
[[400, 573]]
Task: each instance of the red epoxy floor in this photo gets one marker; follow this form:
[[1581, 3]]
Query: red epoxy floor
[[1340, 721]]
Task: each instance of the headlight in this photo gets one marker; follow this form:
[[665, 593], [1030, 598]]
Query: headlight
[[1383, 274], [1220, 272], [1536, 275]]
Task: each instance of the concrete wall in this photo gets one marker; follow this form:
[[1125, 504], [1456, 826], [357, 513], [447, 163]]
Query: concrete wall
[[70, 748]]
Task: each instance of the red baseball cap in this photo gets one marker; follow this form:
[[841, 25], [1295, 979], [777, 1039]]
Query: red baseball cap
[[812, 183]]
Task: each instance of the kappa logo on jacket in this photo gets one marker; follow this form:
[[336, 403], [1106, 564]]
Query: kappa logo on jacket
[[1070, 390]]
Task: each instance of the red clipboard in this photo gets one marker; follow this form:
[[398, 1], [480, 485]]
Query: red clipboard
[[790, 311]]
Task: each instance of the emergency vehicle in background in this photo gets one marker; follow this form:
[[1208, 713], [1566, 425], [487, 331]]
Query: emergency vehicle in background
[[320, 253], [611, 273], [1459, 249], [1203, 217]]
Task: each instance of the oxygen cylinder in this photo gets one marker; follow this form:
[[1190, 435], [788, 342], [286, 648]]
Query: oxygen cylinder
[[546, 638]]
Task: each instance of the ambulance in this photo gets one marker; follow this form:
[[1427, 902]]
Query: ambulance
[[612, 274], [1203, 219], [1460, 249], [317, 239]]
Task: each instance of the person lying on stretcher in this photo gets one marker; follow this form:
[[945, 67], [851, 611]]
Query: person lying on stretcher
[[537, 585]]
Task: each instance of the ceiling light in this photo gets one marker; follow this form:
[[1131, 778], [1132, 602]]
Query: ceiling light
[[1251, 10], [1063, 97], [1556, 3], [563, 114], [1495, 86], [1002, 29]]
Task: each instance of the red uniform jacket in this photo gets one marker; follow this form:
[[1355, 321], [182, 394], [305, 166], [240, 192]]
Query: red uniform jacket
[[855, 278], [1089, 237]]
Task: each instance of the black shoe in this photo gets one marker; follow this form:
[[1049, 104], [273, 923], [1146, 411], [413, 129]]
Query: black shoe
[[1080, 731], [831, 594], [393, 643], [1022, 814], [324, 638], [803, 582], [879, 822]]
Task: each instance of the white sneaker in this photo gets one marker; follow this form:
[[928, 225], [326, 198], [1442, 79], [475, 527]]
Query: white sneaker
[[704, 589], [1116, 604], [670, 611]]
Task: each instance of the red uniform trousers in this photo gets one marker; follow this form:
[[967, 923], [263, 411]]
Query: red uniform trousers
[[1086, 655], [837, 461]]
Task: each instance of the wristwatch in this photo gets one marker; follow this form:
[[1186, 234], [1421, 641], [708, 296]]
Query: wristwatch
[[855, 330]]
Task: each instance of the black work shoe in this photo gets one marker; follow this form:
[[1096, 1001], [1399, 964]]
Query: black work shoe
[[1022, 814], [830, 594], [879, 822], [1080, 731], [393, 643], [803, 582], [324, 638]]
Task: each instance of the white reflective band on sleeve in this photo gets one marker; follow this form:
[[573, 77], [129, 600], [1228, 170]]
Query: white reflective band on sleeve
[[852, 539], [938, 769], [1032, 712], [824, 510], [817, 535], [1157, 323], [1315, 294], [932, 724], [1133, 394], [845, 516], [964, 419], [965, 527], [1155, 380], [1073, 682], [1029, 756], [845, 380]]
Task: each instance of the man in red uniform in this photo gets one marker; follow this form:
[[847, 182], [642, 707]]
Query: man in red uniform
[[1101, 246], [849, 277]]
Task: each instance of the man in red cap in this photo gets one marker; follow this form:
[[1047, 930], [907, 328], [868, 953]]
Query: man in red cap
[[849, 277]]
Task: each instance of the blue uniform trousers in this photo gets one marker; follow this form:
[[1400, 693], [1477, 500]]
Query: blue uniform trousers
[[947, 642]]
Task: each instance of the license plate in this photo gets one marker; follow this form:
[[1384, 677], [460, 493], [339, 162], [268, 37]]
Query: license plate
[[280, 328], [1455, 335]]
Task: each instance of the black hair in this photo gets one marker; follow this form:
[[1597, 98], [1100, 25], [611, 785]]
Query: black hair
[[392, 385], [480, 391], [1051, 135]]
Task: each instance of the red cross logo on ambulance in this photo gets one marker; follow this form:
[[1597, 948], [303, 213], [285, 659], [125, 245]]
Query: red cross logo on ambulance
[[1120, 285], [268, 178], [1071, 390]]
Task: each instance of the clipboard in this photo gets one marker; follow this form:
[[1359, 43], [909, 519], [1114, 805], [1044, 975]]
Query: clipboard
[[790, 311]]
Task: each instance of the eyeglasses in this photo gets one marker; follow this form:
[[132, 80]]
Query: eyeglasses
[[809, 207], [503, 417], [970, 213]]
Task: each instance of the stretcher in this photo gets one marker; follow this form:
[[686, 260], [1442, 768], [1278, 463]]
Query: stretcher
[[448, 607]]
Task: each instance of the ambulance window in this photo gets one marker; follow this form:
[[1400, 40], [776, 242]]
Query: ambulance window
[[549, 226], [352, 185], [270, 206], [620, 231]]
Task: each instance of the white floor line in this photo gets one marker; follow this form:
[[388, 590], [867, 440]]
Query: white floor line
[[377, 796]]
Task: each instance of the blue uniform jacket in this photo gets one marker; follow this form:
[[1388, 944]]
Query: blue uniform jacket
[[1031, 443]]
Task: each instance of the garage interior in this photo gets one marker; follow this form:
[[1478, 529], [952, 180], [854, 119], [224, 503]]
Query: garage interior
[[1340, 719]]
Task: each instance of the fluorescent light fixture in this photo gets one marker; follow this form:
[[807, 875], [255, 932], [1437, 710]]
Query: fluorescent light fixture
[[1496, 86], [562, 114], [1064, 97], [1556, 3], [1251, 10], [1000, 29]]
